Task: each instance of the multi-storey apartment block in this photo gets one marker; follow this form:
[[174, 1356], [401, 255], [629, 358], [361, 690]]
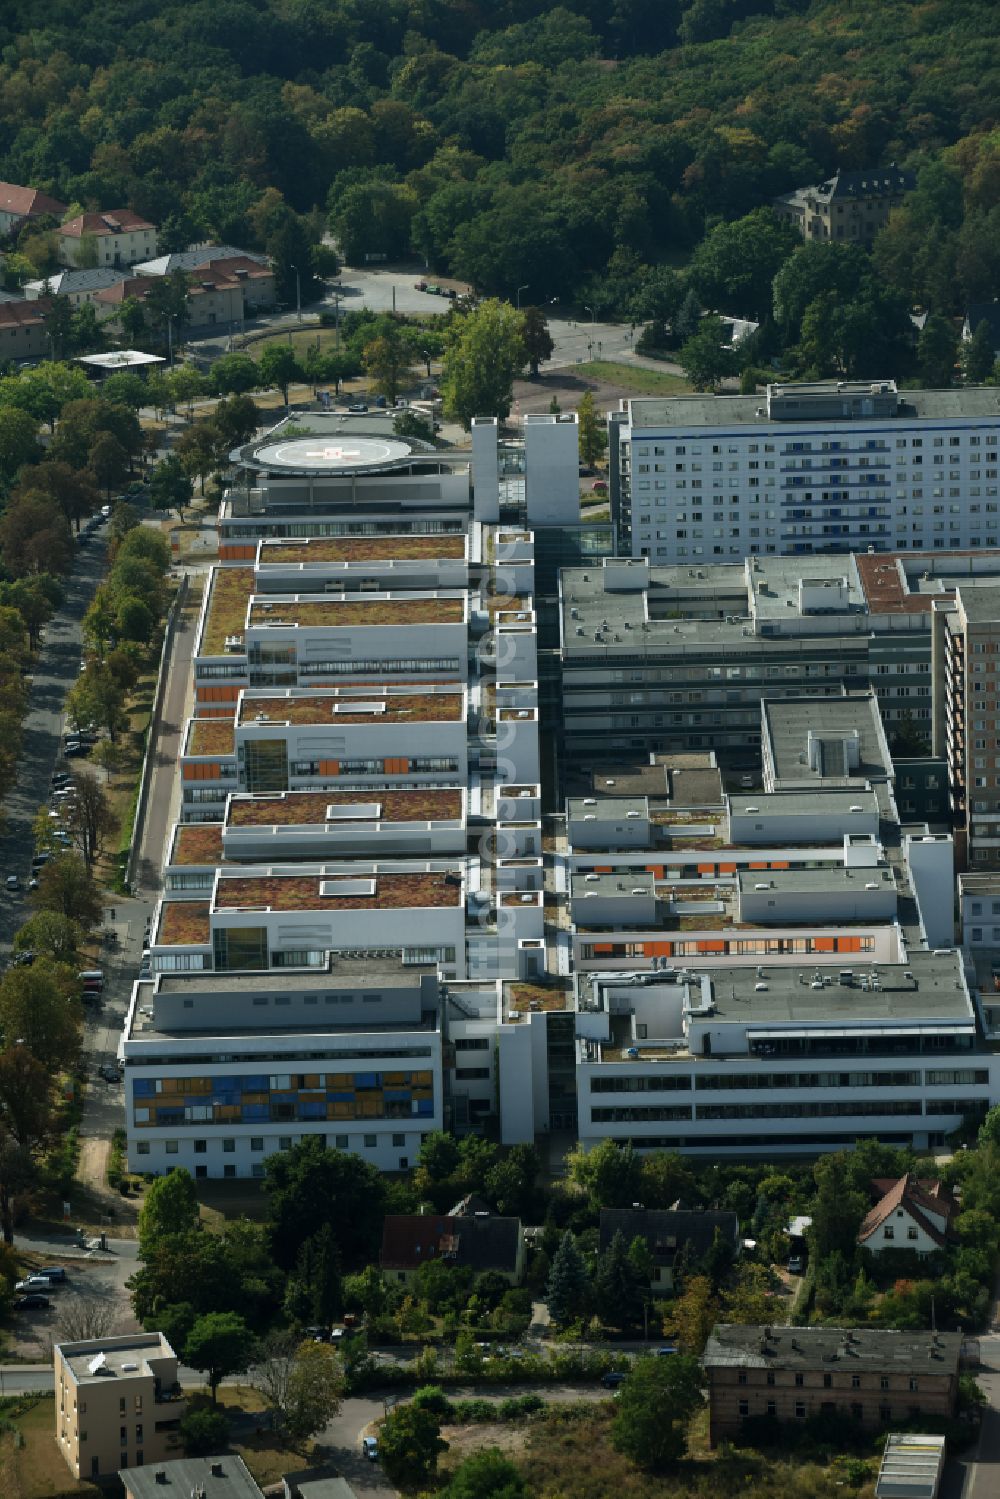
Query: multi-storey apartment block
[[827, 467], [118, 1403], [873, 1375], [967, 716]]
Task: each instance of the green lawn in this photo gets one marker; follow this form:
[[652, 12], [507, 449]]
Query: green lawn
[[633, 377], [35, 1468]]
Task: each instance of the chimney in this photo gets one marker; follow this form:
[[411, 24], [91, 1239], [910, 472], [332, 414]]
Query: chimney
[[160, 1476], [216, 1468]]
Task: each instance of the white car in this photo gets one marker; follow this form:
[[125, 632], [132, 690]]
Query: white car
[[369, 1448]]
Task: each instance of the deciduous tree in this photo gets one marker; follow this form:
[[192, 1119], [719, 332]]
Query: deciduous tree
[[653, 1409], [40, 1010], [484, 354], [592, 436], [409, 1445], [91, 819], [537, 338], [219, 1343], [65, 885]]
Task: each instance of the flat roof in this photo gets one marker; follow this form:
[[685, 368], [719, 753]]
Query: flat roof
[[369, 972], [352, 549], [346, 613], [95, 1359], [935, 991], [183, 923], [318, 892], [788, 722], [733, 1345], [310, 808], [230, 589], [193, 1475], [331, 455], [692, 411], [980, 601], [197, 843], [607, 806], [986, 882], [825, 801], [683, 780], [639, 882], [776, 583], [366, 707], [829, 879], [120, 359], [211, 736]]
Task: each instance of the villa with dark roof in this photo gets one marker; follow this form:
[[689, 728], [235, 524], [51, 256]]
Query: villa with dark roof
[[481, 1241]]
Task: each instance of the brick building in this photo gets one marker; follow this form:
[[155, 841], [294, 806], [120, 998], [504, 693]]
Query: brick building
[[875, 1375]]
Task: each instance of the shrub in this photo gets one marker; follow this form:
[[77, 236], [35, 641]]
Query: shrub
[[203, 1431]]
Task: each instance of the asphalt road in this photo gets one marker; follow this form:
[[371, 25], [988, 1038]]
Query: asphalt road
[[56, 669]]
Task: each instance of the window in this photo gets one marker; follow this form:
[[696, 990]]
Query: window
[[200, 1147], [256, 1143], [828, 1381], [855, 1381], [172, 1147], [371, 1141], [800, 1409], [772, 1407], [857, 1410], [800, 1380], [770, 1377], [399, 1139], [883, 1383], [914, 1383], [744, 1407], [142, 1148], [121, 1406], [229, 1147], [741, 1379]]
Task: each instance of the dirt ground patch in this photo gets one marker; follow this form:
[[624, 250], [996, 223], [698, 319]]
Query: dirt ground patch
[[511, 1438]]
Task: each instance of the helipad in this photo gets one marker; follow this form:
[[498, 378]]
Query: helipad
[[331, 455]]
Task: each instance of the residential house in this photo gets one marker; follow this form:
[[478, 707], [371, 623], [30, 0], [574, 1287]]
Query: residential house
[[983, 312], [205, 1477], [671, 1235], [909, 1214], [848, 205], [22, 329], [119, 236], [78, 287], [877, 1376], [253, 272], [117, 1402], [483, 1242], [20, 203]]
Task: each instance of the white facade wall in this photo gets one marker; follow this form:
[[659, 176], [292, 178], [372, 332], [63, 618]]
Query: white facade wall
[[552, 469], [901, 1231], [722, 492], [931, 862]]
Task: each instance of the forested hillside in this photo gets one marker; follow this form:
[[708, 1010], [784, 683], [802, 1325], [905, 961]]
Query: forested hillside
[[571, 147]]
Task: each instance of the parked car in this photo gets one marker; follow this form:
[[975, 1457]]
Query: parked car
[[13, 883], [33, 1283], [54, 1273], [33, 1302], [72, 749], [23, 959], [796, 1264], [40, 860], [666, 1351], [357, 406], [105, 511], [612, 1380], [369, 1448], [600, 486], [108, 1073]]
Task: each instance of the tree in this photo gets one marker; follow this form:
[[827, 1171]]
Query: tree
[[125, 388], [34, 535], [610, 1174], [437, 1158], [25, 1096], [51, 934], [58, 323], [237, 419], [186, 384], [593, 438], [82, 1319], [705, 357], [132, 322], [409, 1444], [203, 1431], [537, 338], [750, 1299], [166, 305], [290, 248], [735, 265], [568, 1288], [510, 1184], [653, 1409], [485, 1475], [91, 819], [315, 1390], [40, 1009], [18, 440], [409, 423], [937, 352], [484, 353], [314, 1293], [617, 1290], [221, 1344], [169, 1207], [694, 1314], [309, 1186], [837, 1209], [170, 487], [73, 490], [235, 375], [277, 368], [96, 697], [387, 362], [65, 885], [978, 355], [199, 450], [688, 315], [816, 267]]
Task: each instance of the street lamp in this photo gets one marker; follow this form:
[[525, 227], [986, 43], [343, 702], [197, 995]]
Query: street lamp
[[298, 293], [520, 289], [593, 314], [170, 340]]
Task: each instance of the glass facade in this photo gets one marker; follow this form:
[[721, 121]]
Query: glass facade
[[272, 1097]]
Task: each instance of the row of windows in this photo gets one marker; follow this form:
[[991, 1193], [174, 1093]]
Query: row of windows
[[258, 1145], [417, 665], [775, 1378], [836, 1108], [824, 445]]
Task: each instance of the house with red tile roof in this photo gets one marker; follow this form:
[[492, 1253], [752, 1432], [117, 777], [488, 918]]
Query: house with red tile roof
[[480, 1241], [908, 1214], [119, 237], [20, 203]]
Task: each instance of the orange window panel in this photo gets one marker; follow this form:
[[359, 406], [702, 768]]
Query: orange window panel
[[218, 694], [602, 869], [825, 944], [604, 947], [656, 870], [780, 864], [397, 766], [711, 947], [329, 767], [232, 551], [199, 772], [658, 949], [847, 944], [727, 868], [759, 866]]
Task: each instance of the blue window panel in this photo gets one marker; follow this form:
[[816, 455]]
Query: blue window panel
[[255, 1084], [312, 1110], [395, 1096], [340, 1097], [366, 1079], [425, 1106], [144, 1087], [284, 1098], [170, 1116], [256, 1111]]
